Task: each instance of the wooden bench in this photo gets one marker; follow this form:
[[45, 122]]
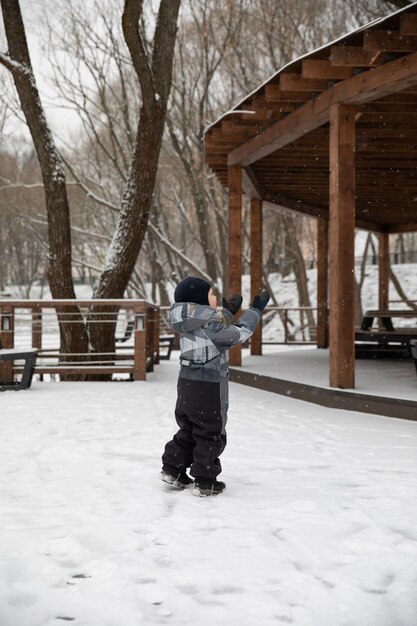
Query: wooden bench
[[29, 356], [384, 343]]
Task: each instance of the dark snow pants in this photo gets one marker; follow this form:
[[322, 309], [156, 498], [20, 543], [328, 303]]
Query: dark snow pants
[[202, 436]]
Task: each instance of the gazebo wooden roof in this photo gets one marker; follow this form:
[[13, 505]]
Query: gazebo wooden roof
[[332, 135]]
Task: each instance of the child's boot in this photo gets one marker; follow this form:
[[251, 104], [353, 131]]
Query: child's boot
[[177, 479], [208, 487]]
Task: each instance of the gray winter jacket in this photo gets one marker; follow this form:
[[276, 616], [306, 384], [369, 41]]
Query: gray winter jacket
[[206, 336]]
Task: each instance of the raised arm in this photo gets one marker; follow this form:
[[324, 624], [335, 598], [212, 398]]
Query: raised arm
[[226, 334]]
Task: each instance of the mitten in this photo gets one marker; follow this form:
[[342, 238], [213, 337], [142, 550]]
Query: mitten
[[233, 303], [260, 302]]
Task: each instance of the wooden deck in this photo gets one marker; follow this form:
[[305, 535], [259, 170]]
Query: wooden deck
[[388, 388]]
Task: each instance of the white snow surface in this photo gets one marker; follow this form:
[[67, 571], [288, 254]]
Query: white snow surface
[[316, 526]]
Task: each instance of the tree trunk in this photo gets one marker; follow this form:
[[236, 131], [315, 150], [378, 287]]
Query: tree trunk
[[73, 333], [155, 77]]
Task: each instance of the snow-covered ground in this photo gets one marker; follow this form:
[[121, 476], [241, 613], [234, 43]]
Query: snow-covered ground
[[390, 378], [316, 527]]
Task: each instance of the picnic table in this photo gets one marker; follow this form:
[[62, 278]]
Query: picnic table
[[387, 341], [385, 315]]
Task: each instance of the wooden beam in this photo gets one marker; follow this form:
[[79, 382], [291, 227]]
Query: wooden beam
[[342, 246], [352, 56], [256, 266], [399, 108], [239, 128], [322, 68], [219, 135], [289, 81], [400, 228], [293, 204], [259, 103], [250, 184], [273, 93], [387, 41], [234, 282], [408, 24], [366, 87], [322, 283], [284, 201], [367, 225], [383, 271]]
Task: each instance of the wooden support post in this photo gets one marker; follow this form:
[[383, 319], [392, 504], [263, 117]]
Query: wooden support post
[[37, 328], [342, 246], [140, 355], [322, 283], [156, 332], [37, 331], [7, 340], [286, 326], [149, 327], [235, 243], [383, 270], [256, 267]]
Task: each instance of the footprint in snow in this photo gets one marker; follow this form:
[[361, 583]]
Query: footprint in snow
[[227, 589], [286, 619], [145, 581]]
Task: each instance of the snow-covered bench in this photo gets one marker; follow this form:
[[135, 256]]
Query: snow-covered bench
[[29, 357]]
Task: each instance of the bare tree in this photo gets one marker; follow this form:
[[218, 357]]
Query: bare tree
[[17, 61], [154, 72], [153, 68]]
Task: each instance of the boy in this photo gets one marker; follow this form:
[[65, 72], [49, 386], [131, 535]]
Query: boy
[[202, 402]]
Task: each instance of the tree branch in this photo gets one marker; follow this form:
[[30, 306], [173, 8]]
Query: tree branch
[[130, 20], [184, 257], [165, 33], [14, 67]]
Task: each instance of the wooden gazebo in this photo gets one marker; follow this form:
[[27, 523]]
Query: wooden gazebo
[[332, 135]]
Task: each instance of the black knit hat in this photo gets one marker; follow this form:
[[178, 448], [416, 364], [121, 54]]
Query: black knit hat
[[192, 289]]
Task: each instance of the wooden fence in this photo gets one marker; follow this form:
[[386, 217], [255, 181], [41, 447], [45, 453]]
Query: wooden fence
[[294, 326], [35, 323]]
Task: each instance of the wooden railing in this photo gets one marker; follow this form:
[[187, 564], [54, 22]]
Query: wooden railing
[[294, 332], [35, 323]]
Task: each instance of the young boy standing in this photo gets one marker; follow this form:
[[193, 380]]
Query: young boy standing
[[201, 409]]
